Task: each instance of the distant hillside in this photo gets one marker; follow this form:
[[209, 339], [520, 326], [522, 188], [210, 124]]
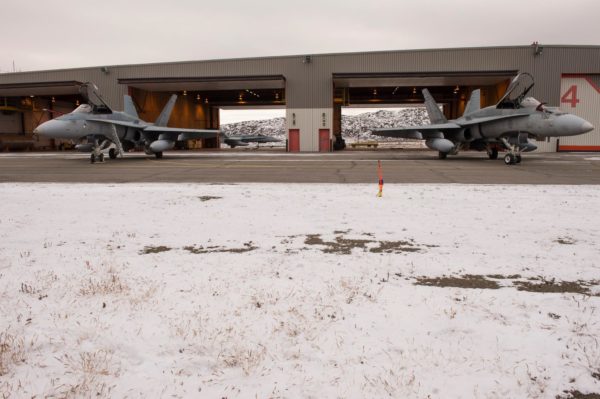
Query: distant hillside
[[353, 127]]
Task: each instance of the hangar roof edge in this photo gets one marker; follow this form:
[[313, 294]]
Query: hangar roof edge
[[279, 57]]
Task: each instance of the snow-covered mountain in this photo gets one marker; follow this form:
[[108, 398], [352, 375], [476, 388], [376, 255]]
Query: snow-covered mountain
[[353, 126]]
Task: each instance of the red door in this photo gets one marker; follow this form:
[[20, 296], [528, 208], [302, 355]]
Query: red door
[[294, 140], [324, 141]]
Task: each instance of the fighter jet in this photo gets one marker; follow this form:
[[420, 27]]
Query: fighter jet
[[244, 140], [506, 126], [99, 127]]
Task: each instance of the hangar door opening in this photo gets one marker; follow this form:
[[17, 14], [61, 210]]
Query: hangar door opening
[[200, 99], [363, 101], [253, 127], [24, 106]]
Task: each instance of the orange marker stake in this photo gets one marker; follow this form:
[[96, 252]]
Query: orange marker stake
[[380, 172]]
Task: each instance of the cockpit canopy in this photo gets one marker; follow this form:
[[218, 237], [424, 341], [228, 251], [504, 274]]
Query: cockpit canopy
[[516, 91], [83, 109]]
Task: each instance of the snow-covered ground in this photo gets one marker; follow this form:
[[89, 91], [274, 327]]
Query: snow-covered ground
[[299, 291]]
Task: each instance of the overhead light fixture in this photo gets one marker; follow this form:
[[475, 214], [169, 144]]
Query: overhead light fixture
[[374, 92], [414, 90], [276, 96], [77, 103], [206, 100], [53, 100], [198, 97], [456, 89], [185, 92], [240, 97]]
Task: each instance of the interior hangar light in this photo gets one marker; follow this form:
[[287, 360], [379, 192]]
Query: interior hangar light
[[185, 92]]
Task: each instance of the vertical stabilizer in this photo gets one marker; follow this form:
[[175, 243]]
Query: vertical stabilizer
[[130, 107], [164, 116], [474, 103], [433, 110]]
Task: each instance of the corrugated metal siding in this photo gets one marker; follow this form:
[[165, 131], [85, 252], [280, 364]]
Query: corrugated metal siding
[[309, 84], [587, 107]]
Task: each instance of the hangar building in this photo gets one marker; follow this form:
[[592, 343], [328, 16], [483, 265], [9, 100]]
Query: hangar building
[[314, 88]]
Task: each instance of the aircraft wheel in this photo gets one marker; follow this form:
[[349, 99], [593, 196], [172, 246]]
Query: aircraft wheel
[[158, 155], [112, 153], [442, 155], [493, 154], [101, 158], [509, 159], [93, 158], [517, 158]]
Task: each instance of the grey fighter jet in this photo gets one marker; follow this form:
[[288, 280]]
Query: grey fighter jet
[[244, 140], [99, 127], [507, 126]]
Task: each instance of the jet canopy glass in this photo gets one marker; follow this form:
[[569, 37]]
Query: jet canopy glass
[[83, 109], [516, 92]]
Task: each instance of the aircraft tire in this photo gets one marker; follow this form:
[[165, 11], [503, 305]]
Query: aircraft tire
[[112, 153], [442, 155], [93, 158], [101, 158], [517, 159], [493, 154], [158, 155], [509, 159]]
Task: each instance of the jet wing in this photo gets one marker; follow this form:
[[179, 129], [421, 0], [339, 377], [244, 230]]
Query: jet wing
[[474, 121], [179, 134], [118, 123], [417, 132]]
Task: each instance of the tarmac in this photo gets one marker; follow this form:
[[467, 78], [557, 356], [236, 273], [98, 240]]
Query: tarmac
[[277, 166]]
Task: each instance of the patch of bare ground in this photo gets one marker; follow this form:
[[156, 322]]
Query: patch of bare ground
[[552, 286], [344, 246], [466, 281], [565, 240], [578, 395], [205, 198], [247, 247], [533, 284], [154, 249]]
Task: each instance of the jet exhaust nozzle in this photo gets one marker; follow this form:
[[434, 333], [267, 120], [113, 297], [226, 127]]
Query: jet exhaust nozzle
[[161, 145], [442, 145], [87, 147]]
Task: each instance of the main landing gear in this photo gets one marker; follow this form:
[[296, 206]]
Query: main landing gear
[[514, 153], [96, 157], [492, 153], [511, 159], [442, 155]]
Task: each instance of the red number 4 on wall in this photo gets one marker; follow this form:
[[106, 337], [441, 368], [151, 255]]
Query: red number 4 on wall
[[570, 97]]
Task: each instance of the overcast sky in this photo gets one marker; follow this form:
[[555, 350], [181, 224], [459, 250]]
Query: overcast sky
[[40, 35]]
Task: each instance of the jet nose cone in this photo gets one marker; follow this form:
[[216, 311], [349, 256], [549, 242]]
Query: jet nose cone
[[587, 127], [51, 128]]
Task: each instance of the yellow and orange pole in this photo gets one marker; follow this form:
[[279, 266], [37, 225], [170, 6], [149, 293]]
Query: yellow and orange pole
[[380, 173]]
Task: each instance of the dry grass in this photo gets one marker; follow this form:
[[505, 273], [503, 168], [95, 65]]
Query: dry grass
[[12, 351], [90, 368], [110, 284]]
